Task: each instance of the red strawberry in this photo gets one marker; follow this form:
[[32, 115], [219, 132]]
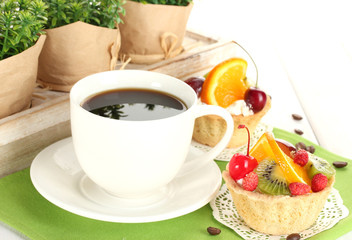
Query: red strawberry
[[301, 157], [298, 188], [250, 181], [319, 182]]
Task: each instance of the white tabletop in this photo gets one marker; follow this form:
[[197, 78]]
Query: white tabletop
[[303, 50]]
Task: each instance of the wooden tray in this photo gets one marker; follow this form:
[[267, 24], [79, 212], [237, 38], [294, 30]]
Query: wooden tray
[[25, 134]]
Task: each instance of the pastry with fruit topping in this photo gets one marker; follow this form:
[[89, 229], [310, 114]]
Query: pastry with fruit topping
[[276, 189], [226, 85]]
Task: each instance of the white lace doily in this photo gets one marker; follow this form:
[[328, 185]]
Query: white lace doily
[[227, 153], [225, 212]]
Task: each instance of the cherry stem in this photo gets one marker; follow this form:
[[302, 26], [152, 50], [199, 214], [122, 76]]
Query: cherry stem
[[249, 136], [255, 65]]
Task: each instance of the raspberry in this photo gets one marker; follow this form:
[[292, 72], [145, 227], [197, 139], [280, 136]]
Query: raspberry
[[298, 188], [301, 157], [319, 182], [250, 181]]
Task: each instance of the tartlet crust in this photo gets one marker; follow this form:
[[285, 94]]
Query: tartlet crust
[[277, 215], [209, 130]]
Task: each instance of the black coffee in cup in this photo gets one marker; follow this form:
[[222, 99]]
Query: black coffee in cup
[[134, 104]]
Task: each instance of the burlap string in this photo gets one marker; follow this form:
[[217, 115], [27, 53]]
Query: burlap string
[[113, 60], [124, 62], [169, 49], [168, 42], [114, 51]]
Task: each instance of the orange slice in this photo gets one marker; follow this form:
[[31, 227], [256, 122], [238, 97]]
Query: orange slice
[[292, 171], [262, 149], [225, 83], [267, 147]]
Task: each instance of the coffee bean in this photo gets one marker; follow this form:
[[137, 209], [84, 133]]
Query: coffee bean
[[298, 131], [213, 231], [296, 116], [311, 149], [293, 236], [301, 145], [339, 164]]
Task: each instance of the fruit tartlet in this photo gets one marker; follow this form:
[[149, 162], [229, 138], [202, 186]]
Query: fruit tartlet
[[227, 86], [277, 189]]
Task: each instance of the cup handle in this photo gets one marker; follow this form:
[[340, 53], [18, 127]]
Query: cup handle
[[202, 160]]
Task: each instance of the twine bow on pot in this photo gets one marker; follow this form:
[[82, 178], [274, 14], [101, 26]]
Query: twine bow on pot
[[169, 50]]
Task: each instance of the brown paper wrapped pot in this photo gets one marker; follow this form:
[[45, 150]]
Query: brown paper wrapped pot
[[74, 51], [153, 32], [18, 75]]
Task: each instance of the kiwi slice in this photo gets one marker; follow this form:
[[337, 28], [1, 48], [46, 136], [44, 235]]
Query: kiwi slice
[[271, 178], [317, 165]]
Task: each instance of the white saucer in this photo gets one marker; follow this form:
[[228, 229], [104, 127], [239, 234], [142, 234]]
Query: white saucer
[[57, 176]]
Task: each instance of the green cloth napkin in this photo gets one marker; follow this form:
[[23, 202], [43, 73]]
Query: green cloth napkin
[[24, 209]]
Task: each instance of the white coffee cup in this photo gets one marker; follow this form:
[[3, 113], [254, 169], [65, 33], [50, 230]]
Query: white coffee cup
[[133, 159]]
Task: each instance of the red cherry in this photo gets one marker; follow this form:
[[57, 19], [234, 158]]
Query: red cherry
[[255, 99], [241, 164], [196, 83]]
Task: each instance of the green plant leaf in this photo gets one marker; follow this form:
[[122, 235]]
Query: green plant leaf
[[166, 2], [100, 13], [21, 23], [54, 21]]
